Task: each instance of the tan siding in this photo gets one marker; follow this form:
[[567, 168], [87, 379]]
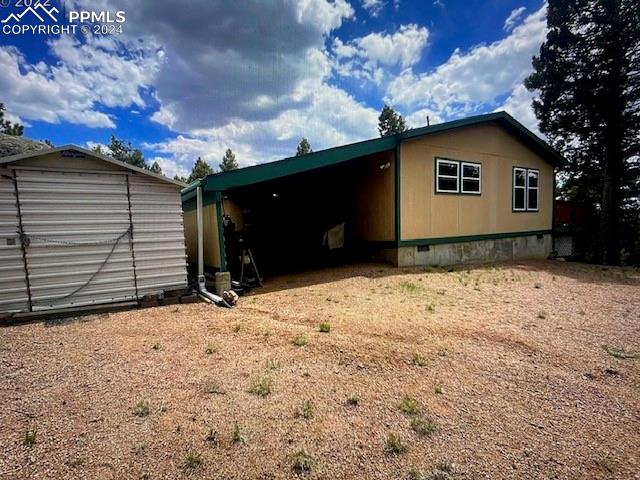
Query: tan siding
[[425, 214], [373, 200], [211, 248]]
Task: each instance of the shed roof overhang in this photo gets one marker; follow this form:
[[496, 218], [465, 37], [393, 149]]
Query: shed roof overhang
[[220, 182], [84, 151]]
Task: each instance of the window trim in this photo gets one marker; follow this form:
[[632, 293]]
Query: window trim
[[463, 178], [537, 189], [526, 188], [440, 160]]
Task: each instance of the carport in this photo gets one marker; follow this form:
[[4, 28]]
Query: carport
[[304, 212]]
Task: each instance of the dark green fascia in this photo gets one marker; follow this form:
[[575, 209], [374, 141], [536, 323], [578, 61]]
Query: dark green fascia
[[397, 193], [189, 203], [293, 165], [470, 238]]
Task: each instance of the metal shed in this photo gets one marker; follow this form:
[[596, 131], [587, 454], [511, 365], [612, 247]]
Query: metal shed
[[80, 229]]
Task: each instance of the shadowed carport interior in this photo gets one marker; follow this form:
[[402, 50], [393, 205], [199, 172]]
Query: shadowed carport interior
[[285, 219]]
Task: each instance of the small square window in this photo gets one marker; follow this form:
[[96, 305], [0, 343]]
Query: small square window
[[471, 178], [447, 176]]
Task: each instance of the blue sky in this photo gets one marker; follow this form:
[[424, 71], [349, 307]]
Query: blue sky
[[186, 82]]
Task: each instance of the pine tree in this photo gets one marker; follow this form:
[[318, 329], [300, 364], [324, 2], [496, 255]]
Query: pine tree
[[229, 161], [586, 76], [155, 168], [390, 122], [123, 151], [200, 170], [7, 127], [303, 148]]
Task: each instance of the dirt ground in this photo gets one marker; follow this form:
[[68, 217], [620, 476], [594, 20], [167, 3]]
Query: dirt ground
[[504, 367]]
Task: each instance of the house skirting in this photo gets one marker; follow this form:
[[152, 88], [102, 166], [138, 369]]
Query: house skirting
[[474, 249]]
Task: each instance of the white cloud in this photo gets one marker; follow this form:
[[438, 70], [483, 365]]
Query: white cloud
[[372, 56], [468, 82], [513, 18], [374, 7], [519, 106], [85, 77]]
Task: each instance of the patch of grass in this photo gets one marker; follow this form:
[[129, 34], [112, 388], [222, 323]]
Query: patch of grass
[[213, 437], [142, 408], [542, 314], [445, 470], [423, 426], [410, 288], [409, 406], [438, 389], [395, 444], [192, 460], [611, 371], [325, 327], [236, 327], [419, 360], [273, 364], [261, 387], [305, 410], [213, 389], [431, 308], [620, 352], [29, 439], [238, 437], [300, 340], [138, 448], [210, 349], [303, 462], [353, 400], [156, 346], [606, 463]]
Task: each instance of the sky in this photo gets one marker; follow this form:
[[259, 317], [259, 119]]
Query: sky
[[183, 80]]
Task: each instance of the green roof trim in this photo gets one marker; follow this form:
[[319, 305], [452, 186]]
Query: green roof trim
[[220, 182]]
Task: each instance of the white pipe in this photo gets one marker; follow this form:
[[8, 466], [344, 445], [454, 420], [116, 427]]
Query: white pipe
[[202, 284]]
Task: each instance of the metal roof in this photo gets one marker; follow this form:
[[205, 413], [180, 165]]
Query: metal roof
[[106, 158], [292, 165]]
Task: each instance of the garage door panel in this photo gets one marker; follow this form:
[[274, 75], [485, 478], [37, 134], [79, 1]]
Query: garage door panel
[[78, 227], [13, 283]]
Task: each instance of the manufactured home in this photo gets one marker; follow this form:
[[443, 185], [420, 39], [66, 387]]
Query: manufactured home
[[79, 229], [476, 189]]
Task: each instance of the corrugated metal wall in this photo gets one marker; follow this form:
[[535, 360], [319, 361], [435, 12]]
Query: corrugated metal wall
[[13, 284], [80, 251], [158, 239]]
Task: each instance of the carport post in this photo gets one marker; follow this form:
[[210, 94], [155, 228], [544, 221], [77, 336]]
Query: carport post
[[223, 256]]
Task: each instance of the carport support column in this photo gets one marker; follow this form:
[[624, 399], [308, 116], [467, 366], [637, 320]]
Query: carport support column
[[396, 171], [219, 209]]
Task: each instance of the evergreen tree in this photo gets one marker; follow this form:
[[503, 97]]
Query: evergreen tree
[[390, 122], [228, 161], [155, 168], [200, 170], [126, 153], [587, 78], [181, 179], [7, 127], [303, 148]]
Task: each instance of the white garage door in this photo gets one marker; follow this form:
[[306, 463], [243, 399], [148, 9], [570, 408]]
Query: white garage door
[[79, 249]]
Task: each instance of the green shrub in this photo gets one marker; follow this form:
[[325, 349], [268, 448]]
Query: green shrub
[[325, 327], [142, 408], [395, 444], [261, 387], [409, 405], [300, 340], [303, 462], [29, 439], [192, 460], [305, 410]]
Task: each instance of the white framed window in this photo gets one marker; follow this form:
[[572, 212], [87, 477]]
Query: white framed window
[[470, 178], [525, 189], [532, 190], [447, 176]]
